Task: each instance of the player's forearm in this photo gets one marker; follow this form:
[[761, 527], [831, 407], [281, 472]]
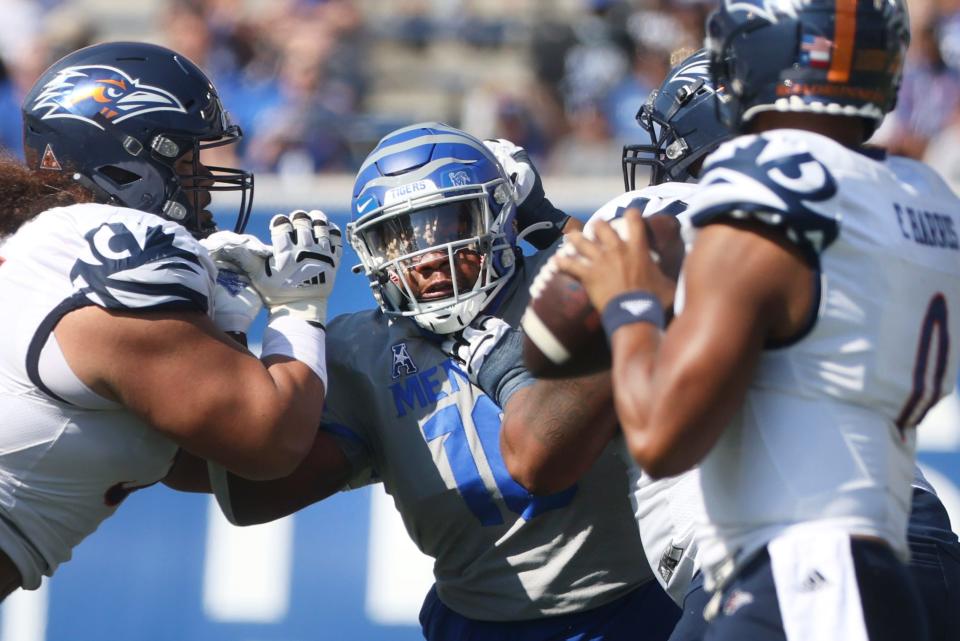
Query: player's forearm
[[324, 471], [674, 396], [554, 430], [635, 348]]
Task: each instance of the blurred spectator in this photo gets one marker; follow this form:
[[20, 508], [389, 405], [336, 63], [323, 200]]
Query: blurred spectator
[[317, 82], [655, 36], [290, 72], [26, 50], [588, 149], [304, 129], [929, 96]]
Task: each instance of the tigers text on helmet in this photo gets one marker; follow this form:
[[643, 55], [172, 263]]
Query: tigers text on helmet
[[834, 57], [119, 116], [432, 193], [682, 121]]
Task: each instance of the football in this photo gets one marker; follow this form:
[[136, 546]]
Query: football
[[563, 335]]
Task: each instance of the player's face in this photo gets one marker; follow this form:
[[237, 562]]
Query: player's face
[[430, 278], [192, 178], [429, 237]]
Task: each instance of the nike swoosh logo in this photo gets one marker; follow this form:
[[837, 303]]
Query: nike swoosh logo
[[363, 207]]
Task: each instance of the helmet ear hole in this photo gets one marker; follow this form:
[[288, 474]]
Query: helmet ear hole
[[118, 175]]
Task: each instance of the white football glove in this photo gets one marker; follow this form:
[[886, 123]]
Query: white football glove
[[492, 352], [539, 222], [516, 164], [236, 303], [296, 276], [472, 344]]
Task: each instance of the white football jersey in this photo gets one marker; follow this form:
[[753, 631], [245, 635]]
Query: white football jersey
[[68, 457], [667, 510], [826, 432]]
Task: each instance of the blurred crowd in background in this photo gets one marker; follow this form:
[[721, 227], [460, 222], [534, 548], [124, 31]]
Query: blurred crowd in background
[[315, 83]]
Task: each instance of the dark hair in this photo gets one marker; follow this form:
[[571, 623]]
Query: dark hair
[[24, 193]]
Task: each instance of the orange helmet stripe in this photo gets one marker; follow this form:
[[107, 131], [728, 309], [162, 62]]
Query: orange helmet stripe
[[844, 34]]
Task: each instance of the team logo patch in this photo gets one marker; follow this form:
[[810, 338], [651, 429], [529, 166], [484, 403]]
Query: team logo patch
[[814, 581], [815, 51], [231, 281], [49, 160], [402, 359], [102, 92], [459, 178]]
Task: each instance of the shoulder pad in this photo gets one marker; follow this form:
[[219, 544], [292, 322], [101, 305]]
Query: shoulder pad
[[772, 179], [650, 200], [144, 262]]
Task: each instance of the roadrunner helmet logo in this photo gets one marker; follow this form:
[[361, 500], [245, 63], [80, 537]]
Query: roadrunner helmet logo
[[86, 91]]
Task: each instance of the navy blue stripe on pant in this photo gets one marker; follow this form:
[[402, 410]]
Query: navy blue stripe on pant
[[935, 565], [646, 613], [750, 610]]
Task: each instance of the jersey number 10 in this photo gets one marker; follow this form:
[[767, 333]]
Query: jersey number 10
[[485, 417]]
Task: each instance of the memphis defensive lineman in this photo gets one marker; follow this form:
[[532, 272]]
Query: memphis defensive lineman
[[800, 391], [111, 359], [435, 228]]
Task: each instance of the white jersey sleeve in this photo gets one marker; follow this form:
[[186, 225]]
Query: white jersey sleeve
[[70, 457], [773, 179]]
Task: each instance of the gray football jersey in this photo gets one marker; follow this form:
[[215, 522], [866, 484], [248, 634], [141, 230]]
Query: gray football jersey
[[406, 415]]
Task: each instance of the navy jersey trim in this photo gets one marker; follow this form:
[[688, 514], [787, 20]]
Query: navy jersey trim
[[42, 335], [813, 315], [159, 252], [673, 208], [796, 181], [797, 231], [77, 301]]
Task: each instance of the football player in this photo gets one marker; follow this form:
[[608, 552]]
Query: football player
[[421, 385], [111, 358], [797, 377], [682, 121]]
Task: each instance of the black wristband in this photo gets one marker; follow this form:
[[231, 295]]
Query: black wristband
[[636, 306]]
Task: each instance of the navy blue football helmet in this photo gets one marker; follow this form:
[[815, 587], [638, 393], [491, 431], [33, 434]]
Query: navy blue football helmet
[[682, 121], [431, 190], [815, 56], [119, 115]]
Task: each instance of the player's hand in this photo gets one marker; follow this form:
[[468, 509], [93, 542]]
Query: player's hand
[[517, 165], [236, 303], [612, 263], [298, 275], [472, 345], [534, 209], [492, 354]]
